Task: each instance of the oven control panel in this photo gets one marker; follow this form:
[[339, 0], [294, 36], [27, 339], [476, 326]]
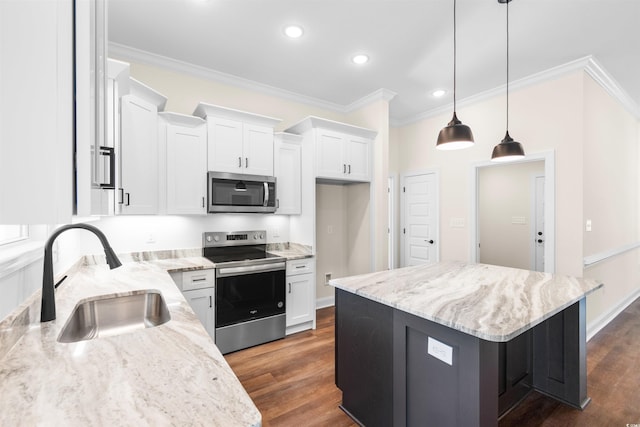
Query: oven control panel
[[236, 238]]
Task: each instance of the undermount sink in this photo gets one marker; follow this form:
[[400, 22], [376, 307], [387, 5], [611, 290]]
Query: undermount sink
[[115, 315]]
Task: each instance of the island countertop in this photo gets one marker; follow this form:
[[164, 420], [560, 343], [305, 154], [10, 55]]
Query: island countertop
[[172, 374], [486, 301]]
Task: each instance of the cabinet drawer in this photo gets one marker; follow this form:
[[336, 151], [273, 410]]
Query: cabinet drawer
[[300, 266], [198, 279]]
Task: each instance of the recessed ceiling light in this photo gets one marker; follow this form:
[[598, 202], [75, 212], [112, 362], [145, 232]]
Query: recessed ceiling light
[[360, 59], [293, 31], [438, 93]]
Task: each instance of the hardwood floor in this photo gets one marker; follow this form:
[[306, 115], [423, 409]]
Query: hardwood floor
[[291, 381]]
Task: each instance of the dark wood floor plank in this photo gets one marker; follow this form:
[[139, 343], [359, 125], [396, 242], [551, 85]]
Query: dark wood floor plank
[[291, 380]]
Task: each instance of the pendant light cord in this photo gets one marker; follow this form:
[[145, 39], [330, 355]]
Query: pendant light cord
[[454, 56], [508, 65]]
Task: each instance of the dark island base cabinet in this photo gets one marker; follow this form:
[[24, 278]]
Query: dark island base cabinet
[[389, 375], [364, 357]]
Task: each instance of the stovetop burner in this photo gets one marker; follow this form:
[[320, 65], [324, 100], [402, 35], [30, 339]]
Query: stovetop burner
[[237, 248]]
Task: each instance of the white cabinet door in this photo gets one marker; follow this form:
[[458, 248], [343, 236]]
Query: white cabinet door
[[257, 146], [225, 145], [201, 301], [329, 155], [186, 169], [36, 112], [139, 156], [287, 159], [300, 299], [357, 158]]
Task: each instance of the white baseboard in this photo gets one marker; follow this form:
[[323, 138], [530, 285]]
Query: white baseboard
[[325, 302], [603, 320]]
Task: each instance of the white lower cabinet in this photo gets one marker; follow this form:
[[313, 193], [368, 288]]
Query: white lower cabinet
[[198, 288], [301, 295], [202, 303]]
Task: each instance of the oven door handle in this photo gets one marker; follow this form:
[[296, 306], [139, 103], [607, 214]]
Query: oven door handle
[[250, 269]]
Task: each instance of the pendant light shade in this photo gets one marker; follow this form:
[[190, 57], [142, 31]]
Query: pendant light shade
[[455, 135], [508, 149]]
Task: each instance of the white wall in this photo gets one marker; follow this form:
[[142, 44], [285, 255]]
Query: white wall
[[611, 200], [331, 236]]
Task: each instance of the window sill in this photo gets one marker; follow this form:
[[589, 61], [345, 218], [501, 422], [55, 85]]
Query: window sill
[[19, 255]]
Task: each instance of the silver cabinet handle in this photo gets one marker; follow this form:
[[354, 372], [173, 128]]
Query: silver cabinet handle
[[239, 162], [289, 287], [246, 162], [128, 202], [344, 168], [210, 301], [349, 170]]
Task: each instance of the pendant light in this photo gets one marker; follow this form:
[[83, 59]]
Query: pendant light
[[455, 135], [507, 149]]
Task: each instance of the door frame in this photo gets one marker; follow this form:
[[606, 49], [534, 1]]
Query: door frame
[[533, 225], [391, 221], [549, 206], [403, 210]]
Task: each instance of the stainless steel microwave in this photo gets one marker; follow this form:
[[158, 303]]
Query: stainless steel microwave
[[230, 192]]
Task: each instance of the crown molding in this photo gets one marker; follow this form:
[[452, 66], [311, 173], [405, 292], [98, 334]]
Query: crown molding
[[587, 64], [380, 94], [613, 88], [138, 55]]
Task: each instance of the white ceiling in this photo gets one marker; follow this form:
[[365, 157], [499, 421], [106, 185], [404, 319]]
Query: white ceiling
[[410, 43]]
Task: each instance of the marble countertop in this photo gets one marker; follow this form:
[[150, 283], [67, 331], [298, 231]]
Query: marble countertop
[[172, 374], [490, 302], [290, 251]]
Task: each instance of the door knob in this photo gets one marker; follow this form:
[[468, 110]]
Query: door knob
[[540, 240], [539, 233], [429, 241]]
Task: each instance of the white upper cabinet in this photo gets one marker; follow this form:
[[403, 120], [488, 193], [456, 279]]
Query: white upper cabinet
[[342, 151], [237, 141], [183, 164], [257, 149], [138, 175], [287, 169], [225, 145], [36, 145]]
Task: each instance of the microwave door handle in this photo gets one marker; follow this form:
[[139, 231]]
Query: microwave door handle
[[266, 194]]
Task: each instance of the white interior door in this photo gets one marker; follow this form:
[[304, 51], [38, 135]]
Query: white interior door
[[420, 225]]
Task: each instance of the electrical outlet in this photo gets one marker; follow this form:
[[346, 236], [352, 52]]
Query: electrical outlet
[[151, 238], [327, 277]]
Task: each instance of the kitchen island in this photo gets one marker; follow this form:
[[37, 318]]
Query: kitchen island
[[455, 344]]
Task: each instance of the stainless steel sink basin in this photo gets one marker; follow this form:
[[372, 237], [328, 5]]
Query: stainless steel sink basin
[[114, 315]]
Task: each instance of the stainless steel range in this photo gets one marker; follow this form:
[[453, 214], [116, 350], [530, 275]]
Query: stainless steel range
[[250, 289]]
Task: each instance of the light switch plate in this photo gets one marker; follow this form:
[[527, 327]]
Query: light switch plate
[[440, 351], [456, 222], [587, 226], [518, 220]]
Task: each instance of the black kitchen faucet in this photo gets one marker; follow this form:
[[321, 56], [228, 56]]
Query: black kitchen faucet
[[48, 308]]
